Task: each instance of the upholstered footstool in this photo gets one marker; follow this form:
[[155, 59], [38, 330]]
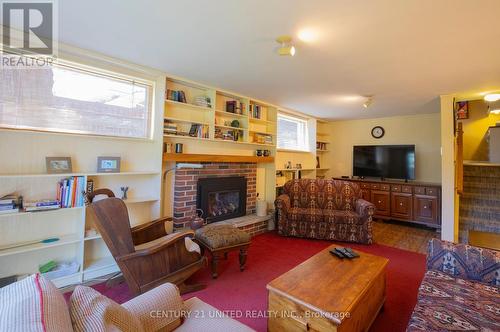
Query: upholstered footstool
[[219, 240]]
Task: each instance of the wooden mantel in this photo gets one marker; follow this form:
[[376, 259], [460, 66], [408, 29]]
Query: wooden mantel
[[187, 157]]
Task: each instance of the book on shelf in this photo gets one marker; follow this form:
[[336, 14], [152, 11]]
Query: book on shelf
[[42, 205], [203, 101], [263, 138], [8, 199], [234, 106], [169, 127], [174, 95], [198, 130], [8, 204], [255, 111], [70, 192]]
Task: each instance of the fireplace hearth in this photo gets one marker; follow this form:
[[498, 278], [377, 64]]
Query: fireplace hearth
[[222, 198]]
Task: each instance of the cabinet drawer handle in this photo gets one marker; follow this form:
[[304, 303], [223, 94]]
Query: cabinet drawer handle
[[401, 204], [425, 206], [379, 202]]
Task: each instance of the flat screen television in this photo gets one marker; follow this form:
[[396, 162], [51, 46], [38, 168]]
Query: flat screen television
[[384, 161]]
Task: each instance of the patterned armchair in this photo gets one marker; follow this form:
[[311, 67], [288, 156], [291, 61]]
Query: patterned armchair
[[460, 290], [324, 209]]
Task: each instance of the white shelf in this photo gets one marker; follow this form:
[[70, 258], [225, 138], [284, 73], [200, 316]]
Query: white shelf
[[136, 200], [232, 128], [218, 140], [192, 106], [321, 150], [262, 121], [63, 240], [93, 237], [99, 267], [186, 121], [186, 137], [24, 213], [71, 279], [262, 132], [124, 173], [63, 175], [229, 114]]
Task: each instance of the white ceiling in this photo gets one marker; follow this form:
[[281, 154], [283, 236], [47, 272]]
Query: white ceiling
[[406, 53]]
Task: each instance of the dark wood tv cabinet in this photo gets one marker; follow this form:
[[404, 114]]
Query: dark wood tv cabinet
[[413, 202]]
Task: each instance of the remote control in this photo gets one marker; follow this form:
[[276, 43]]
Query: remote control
[[352, 252], [336, 253], [343, 252]]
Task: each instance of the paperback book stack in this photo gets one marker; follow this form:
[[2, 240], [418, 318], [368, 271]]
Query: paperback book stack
[[169, 128], [70, 191], [203, 101], [8, 204], [42, 205]]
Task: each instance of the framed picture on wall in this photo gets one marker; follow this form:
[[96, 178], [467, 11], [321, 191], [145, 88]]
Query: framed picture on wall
[[108, 164], [462, 110], [57, 165]]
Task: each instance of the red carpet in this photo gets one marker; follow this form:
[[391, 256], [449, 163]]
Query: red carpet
[[271, 255]]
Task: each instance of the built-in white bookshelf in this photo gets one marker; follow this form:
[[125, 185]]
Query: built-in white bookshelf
[[68, 225], [250, 122], [322, 148]]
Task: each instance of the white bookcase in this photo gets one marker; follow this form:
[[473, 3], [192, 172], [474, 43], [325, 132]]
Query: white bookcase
[[70, 224]]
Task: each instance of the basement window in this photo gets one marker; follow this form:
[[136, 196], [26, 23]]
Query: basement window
[[292, 133], [68, 98]]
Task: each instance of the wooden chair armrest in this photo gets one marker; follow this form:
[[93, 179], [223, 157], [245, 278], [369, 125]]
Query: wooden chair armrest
[[149, 231], [171, 240]]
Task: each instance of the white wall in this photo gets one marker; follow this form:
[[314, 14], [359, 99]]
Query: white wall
[[449, 197], [422, 130]]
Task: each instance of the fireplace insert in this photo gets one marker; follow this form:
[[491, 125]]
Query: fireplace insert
[[222, 198]]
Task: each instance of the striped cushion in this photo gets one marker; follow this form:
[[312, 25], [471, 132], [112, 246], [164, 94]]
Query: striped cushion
[[160, 309], [33, 304], [201, 316], [92, 312]]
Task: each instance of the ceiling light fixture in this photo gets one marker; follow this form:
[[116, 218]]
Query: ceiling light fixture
[[492, 96], [368, 102], [308, 35], [286, 46]]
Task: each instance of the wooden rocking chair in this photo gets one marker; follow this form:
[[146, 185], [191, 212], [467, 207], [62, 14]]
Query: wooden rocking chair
[[145, 254]]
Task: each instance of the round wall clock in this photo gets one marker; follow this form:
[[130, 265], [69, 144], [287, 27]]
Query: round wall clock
[[378, 132]]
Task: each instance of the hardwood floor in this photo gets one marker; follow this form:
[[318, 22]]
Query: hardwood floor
[[398, 235]]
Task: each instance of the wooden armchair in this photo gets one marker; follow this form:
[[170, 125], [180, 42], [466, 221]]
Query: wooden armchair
[[146, 254]]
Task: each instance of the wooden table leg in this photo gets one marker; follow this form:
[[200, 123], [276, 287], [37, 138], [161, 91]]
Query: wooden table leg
[[215, 260], [243, 258]]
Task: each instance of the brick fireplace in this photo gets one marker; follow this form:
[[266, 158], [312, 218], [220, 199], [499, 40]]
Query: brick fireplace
[[186, 182]]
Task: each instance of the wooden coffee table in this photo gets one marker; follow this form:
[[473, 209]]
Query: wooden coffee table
[[325, 293]]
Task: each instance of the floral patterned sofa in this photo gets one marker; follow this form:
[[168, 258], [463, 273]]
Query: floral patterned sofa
[[324, 209], [460, 290]]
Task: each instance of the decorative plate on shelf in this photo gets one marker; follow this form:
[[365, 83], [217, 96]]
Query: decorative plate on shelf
[[378, 132]]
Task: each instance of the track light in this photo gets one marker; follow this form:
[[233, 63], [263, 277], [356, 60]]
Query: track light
[[368, 102], [286, 46]]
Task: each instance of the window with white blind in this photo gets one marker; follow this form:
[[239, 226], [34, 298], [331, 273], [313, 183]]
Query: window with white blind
[[292, 133], [69, 99]]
